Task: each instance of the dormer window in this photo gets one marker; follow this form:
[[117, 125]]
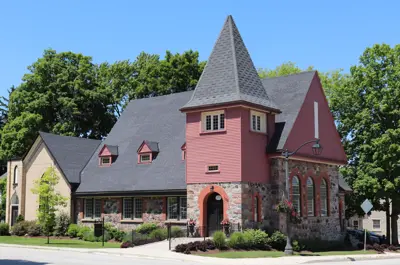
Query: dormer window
[[108, 155], [147, 152], [105, 161], [145, 158], [258, 121], [213, 121], [183, 148]]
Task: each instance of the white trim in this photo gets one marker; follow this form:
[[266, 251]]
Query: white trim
[[316, 120], [211, 114], [213, 170], [141, 158], [260, 122], [380, 224]]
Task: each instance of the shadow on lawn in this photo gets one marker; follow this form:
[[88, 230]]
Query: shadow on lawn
[[20, 262]]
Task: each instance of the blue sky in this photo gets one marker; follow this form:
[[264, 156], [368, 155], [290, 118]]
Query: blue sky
[[325, 34]]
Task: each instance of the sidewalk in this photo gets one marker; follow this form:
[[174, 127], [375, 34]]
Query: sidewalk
[[159, 251]]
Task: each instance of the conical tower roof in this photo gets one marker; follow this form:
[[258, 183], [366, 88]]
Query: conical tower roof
[[230, 75]]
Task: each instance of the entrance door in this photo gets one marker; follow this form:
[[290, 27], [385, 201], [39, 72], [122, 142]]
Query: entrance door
[[214, 213], [14, 214]]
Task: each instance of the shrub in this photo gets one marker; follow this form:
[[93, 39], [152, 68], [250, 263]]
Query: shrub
[[194, 246], [393, 248], [146, 228], [176, 231], [109, 227], [256, 239], [378, 248], [159, 234], [118, 235], [73, 230], [62, 223], [237, 241], [277, 241], [89, 236], [318, 245], [20, 228], [219, 239], [143, 241], [33, 229], [20, 218], [82, 231], [127, 244], [297, 246], [4, 230]]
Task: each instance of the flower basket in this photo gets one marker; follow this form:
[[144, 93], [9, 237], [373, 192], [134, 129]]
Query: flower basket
[[191, 224], [287, 208], [225, 226]]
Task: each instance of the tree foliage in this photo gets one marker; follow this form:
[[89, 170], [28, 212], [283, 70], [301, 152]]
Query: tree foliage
[[367, 112], [49, 199], [3, 191]]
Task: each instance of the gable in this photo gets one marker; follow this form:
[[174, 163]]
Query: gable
[[104, 151], [144, 149], [306, 127]]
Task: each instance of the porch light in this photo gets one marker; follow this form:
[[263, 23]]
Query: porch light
[[317, 148]]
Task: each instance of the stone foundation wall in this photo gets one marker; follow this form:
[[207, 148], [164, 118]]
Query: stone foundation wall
[[326, 228], [233, 190], [154, 210]]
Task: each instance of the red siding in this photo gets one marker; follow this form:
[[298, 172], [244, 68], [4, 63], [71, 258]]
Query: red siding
[[223, 148], [303, 128], [145, 149], [104, 151], [255, 167]]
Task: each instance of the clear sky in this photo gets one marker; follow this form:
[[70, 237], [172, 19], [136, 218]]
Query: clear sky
[[325, 34]]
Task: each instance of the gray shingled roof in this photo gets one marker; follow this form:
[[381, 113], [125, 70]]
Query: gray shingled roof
[[288, 92], [230, 75], [113, 149], [3, 176], [70, 153], [158, 119], [153, 146]]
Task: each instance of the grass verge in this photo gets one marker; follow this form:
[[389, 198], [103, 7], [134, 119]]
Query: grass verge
[[67, 243]]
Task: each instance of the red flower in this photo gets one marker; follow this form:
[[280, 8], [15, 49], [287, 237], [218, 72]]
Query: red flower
[[290, 204], [293, 213]]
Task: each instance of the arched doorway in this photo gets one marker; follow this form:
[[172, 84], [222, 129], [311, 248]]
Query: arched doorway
[[215, 212]]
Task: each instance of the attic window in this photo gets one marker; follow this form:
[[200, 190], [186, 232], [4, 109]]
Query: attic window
[[212, 168], [213, 121], [145, 158], [258, 121], [105, 161]]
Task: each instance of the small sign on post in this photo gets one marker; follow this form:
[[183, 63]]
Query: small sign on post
[[367, 207], [99, 230]]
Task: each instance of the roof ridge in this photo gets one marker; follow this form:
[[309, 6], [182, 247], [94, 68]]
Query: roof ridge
[[66, 136], [235, 70]]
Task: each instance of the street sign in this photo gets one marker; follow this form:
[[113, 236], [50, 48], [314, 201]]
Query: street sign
[[366, 206]]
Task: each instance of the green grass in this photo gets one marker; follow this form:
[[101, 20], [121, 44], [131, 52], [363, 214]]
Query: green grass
[[276, 254], [66, 243]]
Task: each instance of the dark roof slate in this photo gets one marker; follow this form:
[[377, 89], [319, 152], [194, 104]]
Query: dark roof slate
[[70, 153], [288, 92], [153, 146], [156, 118], [343, 184], [113, 149], [229, 75]]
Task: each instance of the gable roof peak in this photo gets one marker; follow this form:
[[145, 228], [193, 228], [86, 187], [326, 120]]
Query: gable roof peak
[[229, 75]]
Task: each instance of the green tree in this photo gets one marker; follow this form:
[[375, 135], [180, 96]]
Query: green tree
[[60, 94], [3, 191], [367, 112], [286, 68], [49, 199]]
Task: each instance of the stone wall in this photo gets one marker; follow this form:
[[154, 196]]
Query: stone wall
[[326, 228], [234, 192]]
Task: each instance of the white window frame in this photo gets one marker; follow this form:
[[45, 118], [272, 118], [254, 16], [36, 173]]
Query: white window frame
[[179, 201], [93, 213], [298, 195], [373, 227], [211, 114], [145, 161], [260, 121], [358, 224], [134, 208], [180, 208], [15, 177], [105, 157], [310, 212], [212, 170], [324, 201]]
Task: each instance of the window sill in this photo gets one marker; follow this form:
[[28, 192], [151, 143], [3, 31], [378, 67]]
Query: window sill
[[90, 220], [258, 132], [131, 221], [174, 221], [213, 132], [213, 172]]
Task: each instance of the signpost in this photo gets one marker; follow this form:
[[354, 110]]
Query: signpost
[[367, 207]]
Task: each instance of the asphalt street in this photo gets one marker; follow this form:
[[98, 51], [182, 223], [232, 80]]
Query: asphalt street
[[26, 256]]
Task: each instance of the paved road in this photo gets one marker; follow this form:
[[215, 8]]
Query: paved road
[[25, 256]]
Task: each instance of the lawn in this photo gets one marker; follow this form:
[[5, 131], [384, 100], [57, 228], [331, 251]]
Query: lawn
[[276, 254], [66, 243]]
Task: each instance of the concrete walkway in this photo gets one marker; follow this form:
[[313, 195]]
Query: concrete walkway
[[159, 251]]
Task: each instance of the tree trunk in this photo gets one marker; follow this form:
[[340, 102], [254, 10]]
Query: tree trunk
[[388, 228], [395, 217]]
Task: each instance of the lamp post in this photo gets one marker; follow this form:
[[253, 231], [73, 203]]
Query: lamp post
[[317, 150]]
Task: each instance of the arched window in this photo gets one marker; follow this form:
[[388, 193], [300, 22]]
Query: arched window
[[324, 198], [310, 197], [15, 180], [296, 194]]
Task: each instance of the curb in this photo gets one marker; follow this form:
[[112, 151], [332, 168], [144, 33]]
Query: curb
[[359, 257]]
